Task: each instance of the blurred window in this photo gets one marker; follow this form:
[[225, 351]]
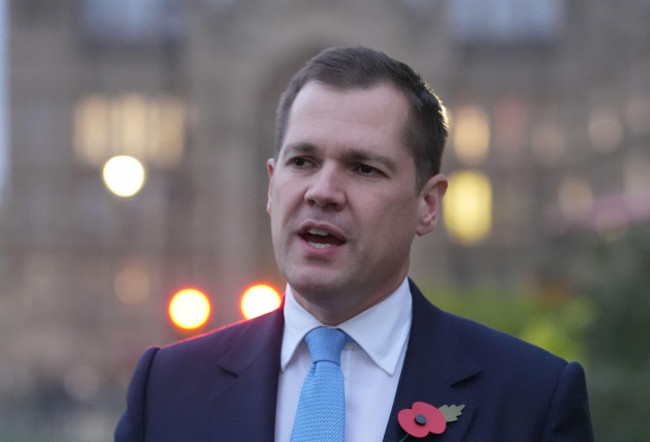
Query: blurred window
[[510, 125], [135, 22], [548, 142], [37, 12], [505, 21], [636, 173], [575, 197], [468, 206], [149, 128], [471, 137], [605, 129]]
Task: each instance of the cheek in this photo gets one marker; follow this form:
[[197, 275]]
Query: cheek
[[282, 201], [397, 217]]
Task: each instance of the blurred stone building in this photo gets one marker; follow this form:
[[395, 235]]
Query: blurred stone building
[[550, 109]]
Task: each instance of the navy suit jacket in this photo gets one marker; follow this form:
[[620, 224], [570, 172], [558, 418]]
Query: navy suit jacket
[[222, 386]]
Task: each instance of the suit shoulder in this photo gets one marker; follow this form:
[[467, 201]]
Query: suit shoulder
[[490, 344], [486, 346], [223, 338]]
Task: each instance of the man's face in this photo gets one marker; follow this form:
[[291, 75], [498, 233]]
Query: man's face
[[342, 199]]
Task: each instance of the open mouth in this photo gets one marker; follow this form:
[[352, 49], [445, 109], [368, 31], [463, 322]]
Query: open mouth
[[321, 239]]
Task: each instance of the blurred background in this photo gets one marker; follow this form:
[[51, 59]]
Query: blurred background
[[133, 141]]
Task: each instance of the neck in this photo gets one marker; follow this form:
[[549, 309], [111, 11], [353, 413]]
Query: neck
[[333, 311]]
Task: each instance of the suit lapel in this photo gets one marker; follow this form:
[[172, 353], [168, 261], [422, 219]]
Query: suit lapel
[[245, 382], [244, 399], [435, 362]]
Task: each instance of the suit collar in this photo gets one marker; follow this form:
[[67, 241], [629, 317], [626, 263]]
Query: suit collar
[[246, 382], [435, 343], [384, 345], [255, 339], [435, 364], [246, 376]]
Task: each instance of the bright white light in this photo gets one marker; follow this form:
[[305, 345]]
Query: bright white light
[[189, 309], [258, 300], [124, 175]]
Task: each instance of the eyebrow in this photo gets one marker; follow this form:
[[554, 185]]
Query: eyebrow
[[353, 154], [297, 148]]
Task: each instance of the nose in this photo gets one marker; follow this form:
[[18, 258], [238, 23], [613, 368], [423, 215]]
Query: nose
[[326, 191]]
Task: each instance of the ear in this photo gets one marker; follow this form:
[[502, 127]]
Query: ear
[[430, 200], [270, 164]]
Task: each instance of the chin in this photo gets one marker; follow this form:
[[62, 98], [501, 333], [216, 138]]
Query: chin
[[315, 286]]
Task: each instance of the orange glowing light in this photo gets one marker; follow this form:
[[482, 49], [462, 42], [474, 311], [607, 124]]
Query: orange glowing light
[[258, 300], [189, 309]]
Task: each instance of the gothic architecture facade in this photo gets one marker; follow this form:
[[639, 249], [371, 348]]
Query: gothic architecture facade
[[550, 123]]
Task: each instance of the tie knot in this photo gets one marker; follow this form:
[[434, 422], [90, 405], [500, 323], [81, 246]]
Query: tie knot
[[325, 344]]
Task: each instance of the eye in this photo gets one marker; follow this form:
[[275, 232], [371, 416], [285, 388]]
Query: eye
[[300, 162], [364, 169]]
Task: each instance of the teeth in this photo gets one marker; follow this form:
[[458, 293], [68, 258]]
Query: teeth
[[319, 232], [320, 246]]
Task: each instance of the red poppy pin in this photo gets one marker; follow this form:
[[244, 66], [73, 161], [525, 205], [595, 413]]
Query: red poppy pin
[[422, 419]]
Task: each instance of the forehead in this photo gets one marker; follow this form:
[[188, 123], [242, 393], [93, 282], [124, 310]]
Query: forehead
[[375, 115]]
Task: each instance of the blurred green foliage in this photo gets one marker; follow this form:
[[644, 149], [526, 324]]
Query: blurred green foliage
[[612, 269], [591, 304], [545, 317]]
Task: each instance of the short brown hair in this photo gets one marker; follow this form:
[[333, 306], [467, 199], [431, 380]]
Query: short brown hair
[[359, 67]]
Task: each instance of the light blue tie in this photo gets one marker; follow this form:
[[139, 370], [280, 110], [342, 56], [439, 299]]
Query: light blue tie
[[321, 407]]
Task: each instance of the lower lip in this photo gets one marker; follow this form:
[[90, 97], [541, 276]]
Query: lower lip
[[317, 250]]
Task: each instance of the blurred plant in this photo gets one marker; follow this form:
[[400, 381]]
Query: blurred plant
[[546, 317], [592, 305], [612, 269]]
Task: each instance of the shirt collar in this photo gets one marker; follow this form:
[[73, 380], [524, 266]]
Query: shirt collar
[[381, 331]]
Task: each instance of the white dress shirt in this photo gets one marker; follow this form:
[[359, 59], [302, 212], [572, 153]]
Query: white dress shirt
[[371, 364]]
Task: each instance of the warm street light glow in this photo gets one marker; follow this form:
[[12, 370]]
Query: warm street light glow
[[189, 309], [468, 206], [258, 300], [471, 135], [124, 175], [151, 128]]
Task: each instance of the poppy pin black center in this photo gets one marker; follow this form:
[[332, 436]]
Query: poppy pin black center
[[420, 419]]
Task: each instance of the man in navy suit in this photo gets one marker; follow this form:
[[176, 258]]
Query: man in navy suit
[[354, 178]]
